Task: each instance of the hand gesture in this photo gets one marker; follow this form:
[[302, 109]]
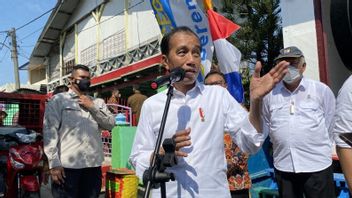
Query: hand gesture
[[85, 101], [58, 175], [260, 86], [182, 139]]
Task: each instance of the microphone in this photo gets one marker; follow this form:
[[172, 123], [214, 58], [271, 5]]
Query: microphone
[[177, 74]]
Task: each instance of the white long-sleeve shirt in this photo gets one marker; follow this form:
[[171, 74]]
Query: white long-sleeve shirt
[[72, 134], [298, 124], [343, 115], [203, 172]]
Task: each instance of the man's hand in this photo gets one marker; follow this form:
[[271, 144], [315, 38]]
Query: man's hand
[[260, 86], [85, 101], [58, 175], [182, 139]]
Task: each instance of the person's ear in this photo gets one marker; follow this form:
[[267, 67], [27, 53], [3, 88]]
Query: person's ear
[[303, 67], [165, 62], [71, 80]]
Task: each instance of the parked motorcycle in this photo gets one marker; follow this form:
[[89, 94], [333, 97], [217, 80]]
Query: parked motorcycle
[[21, 162]]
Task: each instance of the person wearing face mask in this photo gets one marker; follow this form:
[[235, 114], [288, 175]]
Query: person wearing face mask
[[197, 118], [297, 115], [73, 122]]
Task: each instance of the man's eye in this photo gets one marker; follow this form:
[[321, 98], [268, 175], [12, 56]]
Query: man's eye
[[182, 52], [196, 52]]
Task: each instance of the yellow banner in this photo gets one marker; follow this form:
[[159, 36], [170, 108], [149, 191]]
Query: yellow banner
[[208, 5]]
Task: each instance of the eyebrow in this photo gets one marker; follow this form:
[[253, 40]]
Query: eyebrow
[[185, 46]]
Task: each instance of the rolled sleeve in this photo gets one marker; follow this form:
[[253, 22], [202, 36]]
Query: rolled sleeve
[[248, 139], [102, 115], [238, 125], [343, 118]]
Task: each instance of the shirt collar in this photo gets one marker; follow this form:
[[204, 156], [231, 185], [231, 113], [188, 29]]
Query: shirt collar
[[198, 88], [72, 93]]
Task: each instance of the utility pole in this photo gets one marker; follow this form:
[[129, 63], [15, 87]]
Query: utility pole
[[14, 57]]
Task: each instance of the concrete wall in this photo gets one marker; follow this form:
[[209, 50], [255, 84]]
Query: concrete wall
[[84, 7], [37, 76], [54, 66], [142, 25], [298, 24], [299, 29]]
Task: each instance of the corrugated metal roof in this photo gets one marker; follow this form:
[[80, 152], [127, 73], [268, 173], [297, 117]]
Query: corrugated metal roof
[[51, 32]]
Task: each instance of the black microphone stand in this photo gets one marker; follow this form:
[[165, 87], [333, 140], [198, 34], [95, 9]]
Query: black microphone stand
[[156, 174]]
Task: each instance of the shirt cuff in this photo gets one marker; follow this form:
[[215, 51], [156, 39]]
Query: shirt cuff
[[252, 132], [142, 164], [54, 163], [339, 142], [251, 139]]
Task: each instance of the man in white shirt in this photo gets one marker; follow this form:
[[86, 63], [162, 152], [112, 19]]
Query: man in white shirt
[[197, 119], [343, 124], [297, 116]]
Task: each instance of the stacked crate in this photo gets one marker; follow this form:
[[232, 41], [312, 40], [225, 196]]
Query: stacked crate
[[121, 183]]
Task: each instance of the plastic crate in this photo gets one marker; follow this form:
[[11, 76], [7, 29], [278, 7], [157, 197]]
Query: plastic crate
[[121, 183]]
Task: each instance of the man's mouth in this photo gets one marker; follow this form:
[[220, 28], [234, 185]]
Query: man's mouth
[[190, 71]]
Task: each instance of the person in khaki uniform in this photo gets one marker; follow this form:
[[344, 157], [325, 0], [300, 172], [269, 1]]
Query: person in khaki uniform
[[72, 138], [135, 101]]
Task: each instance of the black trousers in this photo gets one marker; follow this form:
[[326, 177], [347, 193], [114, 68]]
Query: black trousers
[[85, 182], [240, 193], [312, 185]]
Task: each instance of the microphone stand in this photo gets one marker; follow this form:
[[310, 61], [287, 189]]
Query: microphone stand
[[156, 174]]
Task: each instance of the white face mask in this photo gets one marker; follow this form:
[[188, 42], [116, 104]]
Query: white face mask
[[292, 75]]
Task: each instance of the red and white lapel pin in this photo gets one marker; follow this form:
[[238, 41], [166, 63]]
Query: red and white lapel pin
[[201, 114]]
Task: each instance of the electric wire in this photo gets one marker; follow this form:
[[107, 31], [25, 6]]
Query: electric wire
[[38, 17]]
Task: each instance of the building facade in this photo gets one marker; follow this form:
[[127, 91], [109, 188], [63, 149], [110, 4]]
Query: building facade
[[117, 39]]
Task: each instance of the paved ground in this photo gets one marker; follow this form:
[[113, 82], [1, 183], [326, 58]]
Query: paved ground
[[45, 192]]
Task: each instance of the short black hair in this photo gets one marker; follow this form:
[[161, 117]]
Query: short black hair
[[80, 66], [165, 41], [214, 72], [60, 89]]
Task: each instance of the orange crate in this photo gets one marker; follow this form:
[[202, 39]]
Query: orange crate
[[121, 183]]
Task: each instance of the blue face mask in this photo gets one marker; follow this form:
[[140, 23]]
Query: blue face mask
[[292, 75]]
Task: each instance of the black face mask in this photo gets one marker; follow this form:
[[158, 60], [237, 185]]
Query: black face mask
[[83, 84]]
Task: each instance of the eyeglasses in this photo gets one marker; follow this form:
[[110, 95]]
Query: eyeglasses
[[219, 82]]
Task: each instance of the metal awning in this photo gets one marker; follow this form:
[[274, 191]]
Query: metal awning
[[51, 32]]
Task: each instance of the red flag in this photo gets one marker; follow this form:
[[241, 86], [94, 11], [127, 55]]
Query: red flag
[[220, 27]]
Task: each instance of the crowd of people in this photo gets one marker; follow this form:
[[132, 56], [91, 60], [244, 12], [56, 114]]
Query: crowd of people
[[214, 134]]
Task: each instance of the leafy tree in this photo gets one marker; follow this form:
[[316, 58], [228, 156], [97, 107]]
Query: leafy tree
[[260, 36]]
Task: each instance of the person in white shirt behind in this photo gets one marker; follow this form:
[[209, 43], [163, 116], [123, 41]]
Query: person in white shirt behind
[[343, 124], [197, 119], [297, 114]]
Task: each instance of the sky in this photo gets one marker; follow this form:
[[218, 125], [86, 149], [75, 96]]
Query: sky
[[14, 14]]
